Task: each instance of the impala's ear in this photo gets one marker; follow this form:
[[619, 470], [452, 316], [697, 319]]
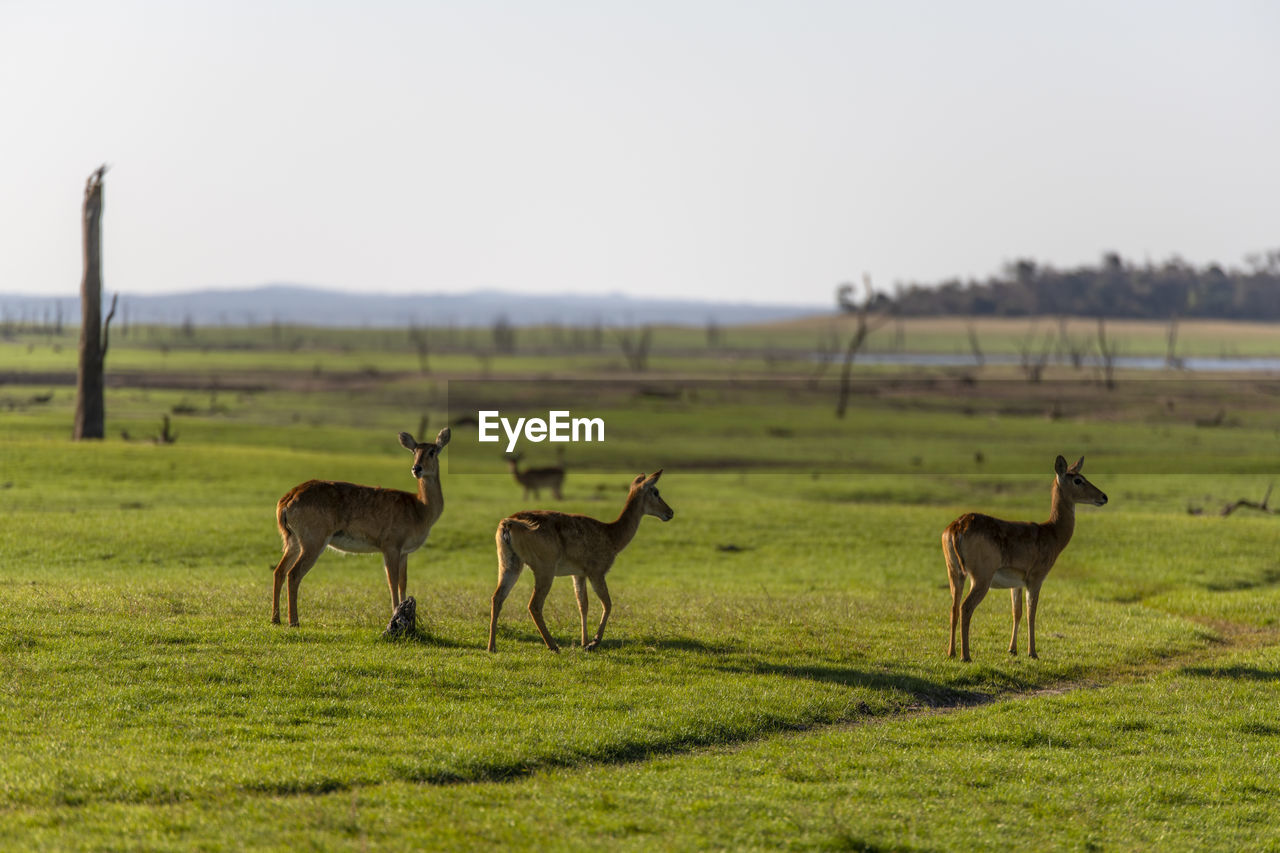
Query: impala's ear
[[442, 438], [1075, 469], [656, 475], [637, 481], [1060, 466], [407, 442]]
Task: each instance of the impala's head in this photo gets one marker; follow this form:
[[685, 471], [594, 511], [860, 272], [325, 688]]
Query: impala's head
[[646, 489], [1073, 485], [426, 457]]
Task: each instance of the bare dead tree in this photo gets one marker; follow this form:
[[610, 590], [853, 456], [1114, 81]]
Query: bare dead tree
[[1107, 351], [167, 435], [1244, 503], [418, 337], [975, 346], [1171, 357], [866, 323], [504, 335], [635, 348], [1033, 361], [1070, 346], [899, 322], [713, 333], [90, 413]]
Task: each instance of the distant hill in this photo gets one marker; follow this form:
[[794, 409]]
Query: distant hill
[[300, 305]]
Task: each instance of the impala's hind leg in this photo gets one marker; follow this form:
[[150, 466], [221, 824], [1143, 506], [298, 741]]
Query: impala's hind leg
[[306, 559], [606, 603], [971, 602], [957, 590], [580, 592], [955, 577], [1016, 595], [291, 552], [509, 567], [541, 586]]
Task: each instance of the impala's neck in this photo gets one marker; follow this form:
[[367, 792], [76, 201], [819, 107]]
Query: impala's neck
[[430, 496], [623, 530], [1062, 516]]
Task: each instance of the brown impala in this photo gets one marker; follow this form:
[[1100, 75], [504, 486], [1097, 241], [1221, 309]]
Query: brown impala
[[359, 520], [1013, 555]]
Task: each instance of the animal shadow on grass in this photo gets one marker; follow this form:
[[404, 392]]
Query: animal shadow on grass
[[1236, 672], [687, 644], [422, 637], [924, 693], [623, 644], [729, 658]]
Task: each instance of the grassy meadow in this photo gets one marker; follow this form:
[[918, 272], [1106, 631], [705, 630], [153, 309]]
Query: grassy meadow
[[774, 673]]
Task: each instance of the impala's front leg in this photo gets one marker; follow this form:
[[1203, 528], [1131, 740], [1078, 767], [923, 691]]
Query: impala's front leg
[[606, 604], [580, 591], [1033, 599], [391, 562], [1016, 595], [402, 575]]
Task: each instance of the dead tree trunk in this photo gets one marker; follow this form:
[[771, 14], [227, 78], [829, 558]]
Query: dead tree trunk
[[90, 410], [866, 324], [1107, 351]]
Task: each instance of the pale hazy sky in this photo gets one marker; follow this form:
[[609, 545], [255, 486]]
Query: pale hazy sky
[[761, 150]]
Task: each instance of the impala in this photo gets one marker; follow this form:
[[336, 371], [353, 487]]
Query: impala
[[536, 479], [558, 543], [1013, 555], [358, 520]]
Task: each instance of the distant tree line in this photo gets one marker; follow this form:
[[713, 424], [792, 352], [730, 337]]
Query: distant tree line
[[1115, 288]]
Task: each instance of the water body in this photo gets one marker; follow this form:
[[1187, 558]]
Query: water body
[[1191, 364]]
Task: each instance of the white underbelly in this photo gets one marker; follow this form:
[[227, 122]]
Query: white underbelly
[[567, 570], [351, 545], [1008, 579]]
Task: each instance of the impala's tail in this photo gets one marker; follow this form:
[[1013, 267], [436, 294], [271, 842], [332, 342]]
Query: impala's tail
[[951, 539], [282, 523], [508, 556]]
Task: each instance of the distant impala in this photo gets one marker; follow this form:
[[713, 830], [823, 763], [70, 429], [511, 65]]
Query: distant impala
[[1013, 555], [536, 479], [359, 520]]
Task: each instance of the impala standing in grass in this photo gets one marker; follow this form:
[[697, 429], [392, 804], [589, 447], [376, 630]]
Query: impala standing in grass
[[1013, 555], [558, 543], [536, 479], [359, 520]]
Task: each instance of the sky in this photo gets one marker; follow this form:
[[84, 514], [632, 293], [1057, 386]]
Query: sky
[[741, 150]]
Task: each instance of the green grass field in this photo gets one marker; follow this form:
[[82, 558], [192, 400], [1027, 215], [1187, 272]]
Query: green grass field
[[774, 672]]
